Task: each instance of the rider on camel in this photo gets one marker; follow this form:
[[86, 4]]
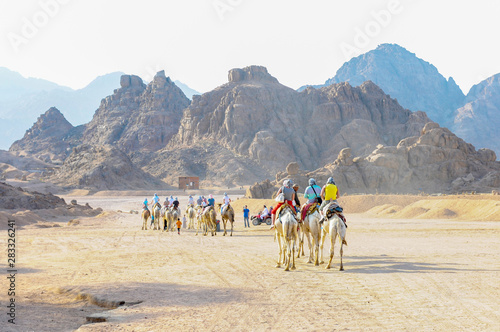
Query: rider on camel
[[289, 194], [330, 193]]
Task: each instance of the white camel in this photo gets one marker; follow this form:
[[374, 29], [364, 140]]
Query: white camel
[[156, 216], [286, 232], [175, 215], [332, 227], [191, 215], [311, 226], [201, 221]]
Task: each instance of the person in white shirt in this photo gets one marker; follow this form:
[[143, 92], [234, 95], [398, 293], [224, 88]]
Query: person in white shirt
[[264, 213], [226, 201], [191, 200], [171, 201]]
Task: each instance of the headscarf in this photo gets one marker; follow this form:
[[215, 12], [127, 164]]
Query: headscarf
[[312, 182], [330, 180]]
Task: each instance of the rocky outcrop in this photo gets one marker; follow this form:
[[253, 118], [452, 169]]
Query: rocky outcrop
[[415, 83], [255, 117], [50, 139], [435, 161], [264, 189], [16, 198], [478, 121], [101, 168], [138, 117]]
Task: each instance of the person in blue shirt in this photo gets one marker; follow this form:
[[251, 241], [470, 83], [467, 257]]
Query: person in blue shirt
[[313, 192], [246, 213], [211, 200]]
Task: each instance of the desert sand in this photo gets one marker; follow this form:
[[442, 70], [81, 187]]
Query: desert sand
[[403, 271]]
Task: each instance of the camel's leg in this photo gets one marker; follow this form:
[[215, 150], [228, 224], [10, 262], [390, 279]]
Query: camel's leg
[[332, 240], [315, 243], [301, 243], [323, 236], [341, 253], [309, 245], [225, 222], [232, 222], [288, 254], [293, 254], [278, 264]]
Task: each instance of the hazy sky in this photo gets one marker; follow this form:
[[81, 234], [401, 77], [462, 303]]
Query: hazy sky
[[302, 42]]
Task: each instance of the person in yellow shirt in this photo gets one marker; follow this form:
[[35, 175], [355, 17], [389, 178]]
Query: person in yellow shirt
[[330, 193], [179, 224]]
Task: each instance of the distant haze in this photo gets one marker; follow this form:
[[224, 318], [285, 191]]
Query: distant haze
[[198, 41]]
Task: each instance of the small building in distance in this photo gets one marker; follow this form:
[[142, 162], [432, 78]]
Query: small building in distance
[[189, 182]]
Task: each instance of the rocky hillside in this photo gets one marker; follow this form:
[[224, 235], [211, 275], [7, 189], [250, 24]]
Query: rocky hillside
[[50, 139], [100, 168], [436, 161], [17, 198], [136, 116], [255, 117], [415, 83], [478, 121]]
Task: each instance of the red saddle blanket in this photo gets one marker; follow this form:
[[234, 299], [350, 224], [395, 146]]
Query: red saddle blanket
[[309, 208]]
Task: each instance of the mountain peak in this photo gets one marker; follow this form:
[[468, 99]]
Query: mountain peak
[[251, 73], [404, 76], [131, 81]]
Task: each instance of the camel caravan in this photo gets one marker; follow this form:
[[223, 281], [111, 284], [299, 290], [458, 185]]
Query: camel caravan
[[204, 213], [317, 220], [321, 217]]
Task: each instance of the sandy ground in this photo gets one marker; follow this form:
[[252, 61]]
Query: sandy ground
[[400, 274]]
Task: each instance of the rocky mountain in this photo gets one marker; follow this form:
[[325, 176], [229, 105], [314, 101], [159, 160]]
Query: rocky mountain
[[13, 166], [478, 121], [24, 99], [13, 85], [255, 118], [251, 128], [102, 167], [437, 161], [415, 83], [50, 139], [138, 116]]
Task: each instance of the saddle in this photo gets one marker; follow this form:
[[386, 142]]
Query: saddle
[[309, 209], [333, 208], [285, 206]]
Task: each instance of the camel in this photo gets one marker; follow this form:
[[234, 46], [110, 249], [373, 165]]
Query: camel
[[175, 215], [145, 216], [227, 215], [156, 215], [333, 226], [286, 229], [164, 217], [200, 221], [311, 226], [191, 215], [209, 218]]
